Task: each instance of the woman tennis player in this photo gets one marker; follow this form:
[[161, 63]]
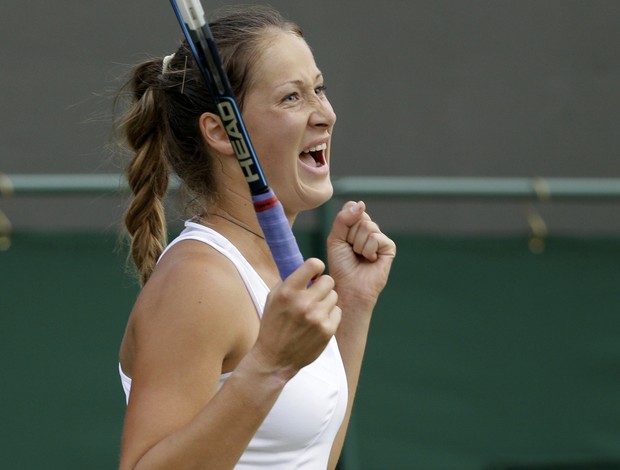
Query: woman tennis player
[[224, 365]]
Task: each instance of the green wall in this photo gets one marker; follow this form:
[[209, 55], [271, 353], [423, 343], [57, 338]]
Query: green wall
[[482, 354]]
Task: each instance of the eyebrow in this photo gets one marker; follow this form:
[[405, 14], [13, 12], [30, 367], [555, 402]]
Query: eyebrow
[[298, 82]]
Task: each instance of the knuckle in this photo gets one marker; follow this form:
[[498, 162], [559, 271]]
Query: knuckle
[[371, 226], [337, 314], [286, 294], [316, 264], [305, 307], [328, 281]]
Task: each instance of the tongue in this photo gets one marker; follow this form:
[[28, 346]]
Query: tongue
[[307, 159]]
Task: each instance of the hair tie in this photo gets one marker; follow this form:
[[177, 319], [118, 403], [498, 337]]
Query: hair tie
[[165, 63]]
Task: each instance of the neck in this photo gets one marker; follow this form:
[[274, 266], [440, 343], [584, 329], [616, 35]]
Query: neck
[[235, 202], [240, 224], [234, 197]]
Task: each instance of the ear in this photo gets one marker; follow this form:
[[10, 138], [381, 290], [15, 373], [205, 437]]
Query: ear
[[214, 134]]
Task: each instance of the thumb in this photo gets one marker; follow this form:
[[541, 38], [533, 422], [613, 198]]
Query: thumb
[[350, 214], [303, 276]]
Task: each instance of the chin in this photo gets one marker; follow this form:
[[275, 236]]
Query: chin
[[318, 196], [307, 198]]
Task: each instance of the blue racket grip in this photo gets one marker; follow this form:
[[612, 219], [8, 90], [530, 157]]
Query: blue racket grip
[[278, 233]]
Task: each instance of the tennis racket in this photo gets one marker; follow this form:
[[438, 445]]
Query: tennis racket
[[269, 210]]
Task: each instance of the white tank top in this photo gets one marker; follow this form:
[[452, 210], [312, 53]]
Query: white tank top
[[299, 430]]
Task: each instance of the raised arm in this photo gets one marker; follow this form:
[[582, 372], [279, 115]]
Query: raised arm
[[359, 258]]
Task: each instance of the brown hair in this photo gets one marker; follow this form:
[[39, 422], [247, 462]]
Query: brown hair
[[161, 125]]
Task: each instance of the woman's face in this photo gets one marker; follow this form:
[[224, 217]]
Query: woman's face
[[290, 122]]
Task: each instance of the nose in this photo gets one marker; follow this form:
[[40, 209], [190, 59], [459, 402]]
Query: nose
[[322, 114]]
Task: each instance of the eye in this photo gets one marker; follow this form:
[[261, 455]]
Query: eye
[[320, 90], [292, 97]]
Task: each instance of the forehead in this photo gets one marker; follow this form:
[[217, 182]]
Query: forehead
[[284, 57]]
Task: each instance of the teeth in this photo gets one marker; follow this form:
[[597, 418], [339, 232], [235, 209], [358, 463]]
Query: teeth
[[315, 149]]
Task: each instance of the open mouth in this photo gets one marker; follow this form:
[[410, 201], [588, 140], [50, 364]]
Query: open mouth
[[314, 156]]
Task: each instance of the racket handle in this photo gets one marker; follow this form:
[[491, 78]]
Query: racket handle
[[278, 233]]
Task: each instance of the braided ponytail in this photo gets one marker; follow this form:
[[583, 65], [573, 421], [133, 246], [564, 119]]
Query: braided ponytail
[[147, 173], [161, 126]]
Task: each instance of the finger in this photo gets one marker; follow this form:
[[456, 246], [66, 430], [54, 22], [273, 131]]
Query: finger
[[353, 231], [363, 232], [378, 245], [349, 215], [323, 305], [370, 248], [386, 246], [302, 276], [323, 285], [334, 319]]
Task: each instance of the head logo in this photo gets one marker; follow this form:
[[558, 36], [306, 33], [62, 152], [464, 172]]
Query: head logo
[[240, 145]]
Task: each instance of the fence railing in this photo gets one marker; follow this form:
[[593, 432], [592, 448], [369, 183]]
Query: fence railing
[[536, 188], [410, 188]]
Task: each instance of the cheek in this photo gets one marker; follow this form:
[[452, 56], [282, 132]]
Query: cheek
[[277, 140]]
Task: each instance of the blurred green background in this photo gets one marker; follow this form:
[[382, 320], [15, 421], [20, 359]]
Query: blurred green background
[[481, 353]]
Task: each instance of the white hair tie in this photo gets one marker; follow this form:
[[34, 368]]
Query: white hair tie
[[166, 63]]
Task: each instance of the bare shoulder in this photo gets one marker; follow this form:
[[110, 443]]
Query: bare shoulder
[[190, 319], [192, 314], [194, 278]]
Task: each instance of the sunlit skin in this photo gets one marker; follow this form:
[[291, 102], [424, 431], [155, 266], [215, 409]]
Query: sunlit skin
[[286, 111], [194, 318]]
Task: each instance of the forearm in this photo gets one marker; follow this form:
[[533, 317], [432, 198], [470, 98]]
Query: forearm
[[359, 257], [221, 431], [352, 338]]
